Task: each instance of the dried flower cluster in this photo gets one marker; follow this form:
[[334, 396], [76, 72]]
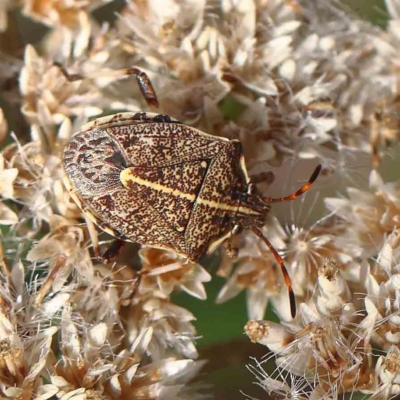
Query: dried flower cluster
[[294, 80]]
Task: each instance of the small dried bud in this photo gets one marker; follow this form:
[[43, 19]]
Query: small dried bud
[[256, 330], [393, 363], [270, 334], [329, 270]]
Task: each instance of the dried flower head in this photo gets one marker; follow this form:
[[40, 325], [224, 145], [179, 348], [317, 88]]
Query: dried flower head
[[169, 271], [367, 216]]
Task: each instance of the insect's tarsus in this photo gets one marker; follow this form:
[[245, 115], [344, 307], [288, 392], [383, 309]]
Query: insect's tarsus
[[145, 86]]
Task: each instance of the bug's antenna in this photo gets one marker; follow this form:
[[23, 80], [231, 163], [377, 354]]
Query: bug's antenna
[[302, 190], [285, 273]]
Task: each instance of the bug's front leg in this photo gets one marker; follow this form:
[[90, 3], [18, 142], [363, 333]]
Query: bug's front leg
[[232, 250], [144, 82], [263, 177]]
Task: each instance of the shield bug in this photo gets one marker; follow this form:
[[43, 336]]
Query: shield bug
[[148, 178]]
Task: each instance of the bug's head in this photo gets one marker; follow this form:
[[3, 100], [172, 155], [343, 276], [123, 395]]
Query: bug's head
[[262, 205], [252, 209]]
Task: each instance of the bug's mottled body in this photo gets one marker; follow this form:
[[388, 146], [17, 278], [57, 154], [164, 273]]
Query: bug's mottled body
[[149, 179]]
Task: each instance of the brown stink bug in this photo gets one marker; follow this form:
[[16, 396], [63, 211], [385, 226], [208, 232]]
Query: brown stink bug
[[148, 178]]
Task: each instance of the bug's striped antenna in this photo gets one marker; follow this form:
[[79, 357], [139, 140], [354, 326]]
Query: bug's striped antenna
[[301, 191], [285, 273]]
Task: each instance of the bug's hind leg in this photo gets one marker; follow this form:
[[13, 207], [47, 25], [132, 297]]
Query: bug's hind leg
[[93, 235], [144, 82], [112, 251]]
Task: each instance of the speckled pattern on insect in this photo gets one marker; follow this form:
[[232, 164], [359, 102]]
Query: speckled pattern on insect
[[160, 183]]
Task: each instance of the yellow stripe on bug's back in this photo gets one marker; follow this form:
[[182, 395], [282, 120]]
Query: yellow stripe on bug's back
[[127, 177], [224, 206]]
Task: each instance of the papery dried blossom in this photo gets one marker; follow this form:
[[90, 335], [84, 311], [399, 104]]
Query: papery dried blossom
[[63, 251], [319, 91], [95, 362], [34, 180], [316, 353], [7, 178], [59, 12], [388, 371], [382, 283], [327, 350], [72, 81], [18, 381], [367, 216], [26, 337], [7, 216], [102, 297], [173, 331], [46, 92], [307, 251], [5, 5], [170, 271]]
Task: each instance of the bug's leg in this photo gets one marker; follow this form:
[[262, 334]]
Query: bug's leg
[[302, 190], [285, 273], [145, 85], [262, 177], [231, 247], [376, 120], [142, 79], [112, 251], [49, 280], [68, 76], [137, 283], [231, 250], [93, 236]]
